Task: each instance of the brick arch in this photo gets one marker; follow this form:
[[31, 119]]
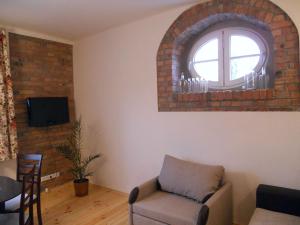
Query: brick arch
[[186, 40], [284, 96]]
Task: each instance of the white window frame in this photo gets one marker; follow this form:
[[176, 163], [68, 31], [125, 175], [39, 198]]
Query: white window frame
[[223, 36]]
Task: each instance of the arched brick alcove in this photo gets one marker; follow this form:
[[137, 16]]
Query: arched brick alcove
[[284, 48]]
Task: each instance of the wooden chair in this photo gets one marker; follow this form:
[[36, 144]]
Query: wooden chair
[[22, 217], [25, 162]]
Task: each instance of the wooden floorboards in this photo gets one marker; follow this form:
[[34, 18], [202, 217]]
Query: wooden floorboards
[[101, 207]]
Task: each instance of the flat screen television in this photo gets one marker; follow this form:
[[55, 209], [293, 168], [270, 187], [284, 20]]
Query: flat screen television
[[47, 111]]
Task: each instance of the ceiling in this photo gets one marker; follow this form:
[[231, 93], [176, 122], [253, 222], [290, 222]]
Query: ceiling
[[75, 19]]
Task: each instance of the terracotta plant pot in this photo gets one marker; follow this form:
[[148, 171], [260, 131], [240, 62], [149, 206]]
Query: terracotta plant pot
[[81, 187]]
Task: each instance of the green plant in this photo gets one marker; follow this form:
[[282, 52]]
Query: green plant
[[71, 150]]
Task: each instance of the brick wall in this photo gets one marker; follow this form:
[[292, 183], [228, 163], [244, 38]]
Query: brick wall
[[171, 58], [42, 68]]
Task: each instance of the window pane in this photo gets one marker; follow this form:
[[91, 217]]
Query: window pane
[[208, 70], [242, 66], [243, 46], [208, 51]]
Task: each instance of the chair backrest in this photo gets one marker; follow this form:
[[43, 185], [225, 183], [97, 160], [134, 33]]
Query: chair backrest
[[25, 162], [27, 198]]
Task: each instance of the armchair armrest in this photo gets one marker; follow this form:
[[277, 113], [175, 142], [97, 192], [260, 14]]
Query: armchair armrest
[[143, 190], [278, 199], [220, 206]]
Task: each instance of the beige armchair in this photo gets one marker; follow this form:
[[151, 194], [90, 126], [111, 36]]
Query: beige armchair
[[151, 204]]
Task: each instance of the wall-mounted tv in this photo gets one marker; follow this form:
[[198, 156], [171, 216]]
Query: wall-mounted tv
[[47, 111]]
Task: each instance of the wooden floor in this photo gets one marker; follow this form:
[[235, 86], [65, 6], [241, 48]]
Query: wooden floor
[[101, 207]]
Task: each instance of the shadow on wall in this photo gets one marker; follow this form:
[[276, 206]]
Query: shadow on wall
[[8, 168], [91, 135], [244, 198]]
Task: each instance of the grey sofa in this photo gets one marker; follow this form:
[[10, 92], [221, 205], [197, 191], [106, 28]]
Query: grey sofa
[[276, 206], [174, 198]]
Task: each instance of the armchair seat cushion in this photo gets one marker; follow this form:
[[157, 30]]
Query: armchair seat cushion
[[267, 217], [168, 208]]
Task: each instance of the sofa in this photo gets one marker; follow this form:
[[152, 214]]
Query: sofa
[[184, 193], [276, 206]]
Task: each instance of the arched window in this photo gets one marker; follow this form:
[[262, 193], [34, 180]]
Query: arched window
[[227, 58]]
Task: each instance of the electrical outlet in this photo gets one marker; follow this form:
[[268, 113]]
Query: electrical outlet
[[50, 176]]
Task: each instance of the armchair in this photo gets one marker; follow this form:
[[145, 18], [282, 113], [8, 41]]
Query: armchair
[[151, 204], [276, 206]]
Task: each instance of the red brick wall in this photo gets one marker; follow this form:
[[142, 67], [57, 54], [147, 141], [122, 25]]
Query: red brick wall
[[285, 93], [42, 68]]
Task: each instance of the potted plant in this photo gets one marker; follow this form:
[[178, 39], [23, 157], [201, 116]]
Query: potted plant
[[71, 150]]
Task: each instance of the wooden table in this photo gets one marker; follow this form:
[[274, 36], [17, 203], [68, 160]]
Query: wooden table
[[9, 188]]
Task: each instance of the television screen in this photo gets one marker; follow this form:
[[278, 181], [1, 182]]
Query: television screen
[[47, 111]]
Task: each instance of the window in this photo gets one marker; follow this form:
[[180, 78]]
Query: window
[[225, 57]]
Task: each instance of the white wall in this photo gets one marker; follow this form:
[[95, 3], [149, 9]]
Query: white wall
[[116, 94]]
